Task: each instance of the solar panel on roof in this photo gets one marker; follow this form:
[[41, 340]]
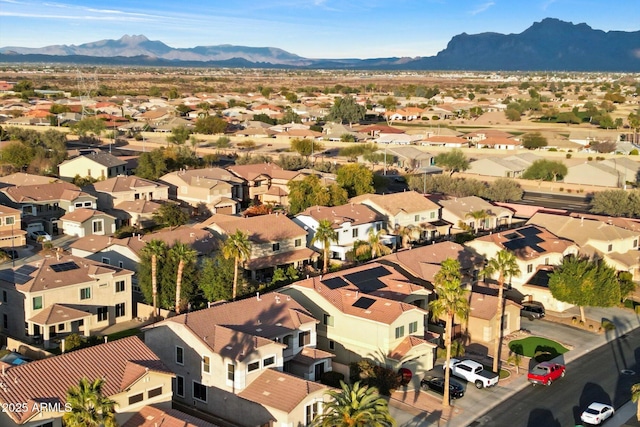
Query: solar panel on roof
[[363, 302], [64, 266], [20, 275], [368, 280], [334, 283]]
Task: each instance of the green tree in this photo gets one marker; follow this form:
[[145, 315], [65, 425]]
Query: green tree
[[183, 254], [583, 282], [635, 397], [170, 215], [477, 216], [179, 135], [546, 170], [306, 147], [210, 125], [155, 250], [452, 161], [17, 155], [311, 192], [325, 235], [504, 190], [216, 278], [151, 165], [374, 245], [616, 203], [451, 301], [505, 265], [355, 406], [513, 114], [90, 126], [533, 141], [238, 247], [357, 179], [290, 116], [89, 406], [346, 110]]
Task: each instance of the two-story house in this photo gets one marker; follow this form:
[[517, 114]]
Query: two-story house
[[134, 377], [409, 209], [11, 233], [53, 297], [225, 355], [351, 222], [86, 222], [370, 311], [475, 213], [214, 190], [98, 165], [265, 182], [276, 241], [113, 191]]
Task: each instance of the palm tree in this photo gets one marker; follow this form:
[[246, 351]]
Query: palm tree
[[635, 397], [452, 300], [374, 244], [156, 249], [478, 215], [184, 255], [355, 406], [238, 247], [89, 408], [505, 264], [325, 234]]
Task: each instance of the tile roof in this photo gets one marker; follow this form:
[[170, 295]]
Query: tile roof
[[301, 254], [82, 214], [354, 213], [6, 210], [43, 192], [252, 171], [279, 390], [21, 178], [138, 206], [308, 356], [206, 177], [120, 363], [260, 229], [407, 344], [124, 183], [460, 206], [409, 202], [483, 306], [153, 416], [100, 157], [58, 313]]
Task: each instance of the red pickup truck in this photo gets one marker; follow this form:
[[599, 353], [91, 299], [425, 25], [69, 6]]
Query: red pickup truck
[[545, 373]]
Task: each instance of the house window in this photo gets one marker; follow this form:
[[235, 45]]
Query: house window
[[432, 215], [11, 220], [102, 313], [328, 320], [136, 196], [120, 264], [287, 341], [87, 204], [413, 327], [416, 218], [635, 243], [529, 268], [268, 361], [298, 243], [354, 233], [4, 296], [609, 248], [253, 366], [311, 411], [304, 338], [206, 364], [85, 293], [60, 327], [5, 321], [199, 392], [154, 392], [106, 261], [37, 303], [120, 310], [98, 226], [179, 386], [136, 398], [78, 205], [231, 372], [179, 355], [275, 247], [399, 331], [378, 227], [120, 286]]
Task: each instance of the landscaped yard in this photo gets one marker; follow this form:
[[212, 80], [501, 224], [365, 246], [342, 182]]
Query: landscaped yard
[[542, 349]]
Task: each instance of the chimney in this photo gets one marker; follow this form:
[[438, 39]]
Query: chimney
[[357, 294], [58, 256], [139, 237]]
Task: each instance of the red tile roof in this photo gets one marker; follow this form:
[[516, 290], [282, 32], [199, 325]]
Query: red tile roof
[[152, 416], [42, 192]]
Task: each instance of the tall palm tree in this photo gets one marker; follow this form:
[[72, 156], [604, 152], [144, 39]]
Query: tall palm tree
[[477, 216], [374, 244], [635, 397], [89, 408], [156, 249], [505, 264], [238, 247], [355, 406], [452, 300], [325, 234], [184, 255]]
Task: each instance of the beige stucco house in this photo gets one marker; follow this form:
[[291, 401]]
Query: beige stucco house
[[113, 191], [97, 165], [265, 182], [11, 234], [483, 314], [459, 211], [86, 222]]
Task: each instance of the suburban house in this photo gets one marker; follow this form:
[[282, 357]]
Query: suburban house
[[475, 213], [156, 415], [265, 182], [97, 165], [56, 296], [351, 223], [42, 205], [229, 359], [408, 158], [113, 191], [483, 314], [11, 233], [499, 143], [276, 241], [505, 167], [86, 222], [214, 190], [409, 209], [616, 245], [446, 141], [372, 312], [535, 248], [615, 172], [134, 377]]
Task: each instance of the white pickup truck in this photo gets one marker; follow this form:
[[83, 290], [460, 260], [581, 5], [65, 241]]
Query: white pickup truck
[[473, 372]]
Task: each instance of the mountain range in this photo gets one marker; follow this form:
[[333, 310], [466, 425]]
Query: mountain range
[[549, 45]]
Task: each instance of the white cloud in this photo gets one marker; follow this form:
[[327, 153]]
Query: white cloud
[[481, 8]]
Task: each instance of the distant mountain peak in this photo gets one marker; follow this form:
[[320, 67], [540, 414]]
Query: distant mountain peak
[[133, 39]]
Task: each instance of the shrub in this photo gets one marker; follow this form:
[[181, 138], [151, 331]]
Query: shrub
[[332, 378], [633, 152], [589, 158], [608, 325], [574, 320], [72, 341], [553, 149], [568, 155], [561, 189]]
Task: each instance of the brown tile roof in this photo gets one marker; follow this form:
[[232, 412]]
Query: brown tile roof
[[138, 206], [632, 224], [281, 259], [6, 210], [528, 242], [461, 206], [252, 171], [82, 214], [483, 306], [394, 203], [275, 389], [120, 363], [499, 141], [124, 183], [354, 213], [42, 192], [21, 178], [260, 229], [380, 129], [406, 345], [153, 416], [58, 313], [206, 178], [310, 355]]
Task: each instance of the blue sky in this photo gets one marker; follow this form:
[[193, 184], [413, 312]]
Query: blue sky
[[309, 28]]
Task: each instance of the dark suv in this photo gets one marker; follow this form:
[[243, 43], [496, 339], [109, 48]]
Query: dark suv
[[532, 310]]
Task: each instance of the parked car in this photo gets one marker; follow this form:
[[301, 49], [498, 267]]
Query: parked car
[[473, 372], [532, 310], [40, 235], [456, 391], [596, 413], [546, 373]]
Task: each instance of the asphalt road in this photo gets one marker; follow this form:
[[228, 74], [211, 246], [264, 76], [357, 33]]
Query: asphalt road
[[605, 375], [556, 201]]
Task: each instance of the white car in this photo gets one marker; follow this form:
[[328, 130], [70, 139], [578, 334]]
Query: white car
[[40, 235], [596, 413]]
